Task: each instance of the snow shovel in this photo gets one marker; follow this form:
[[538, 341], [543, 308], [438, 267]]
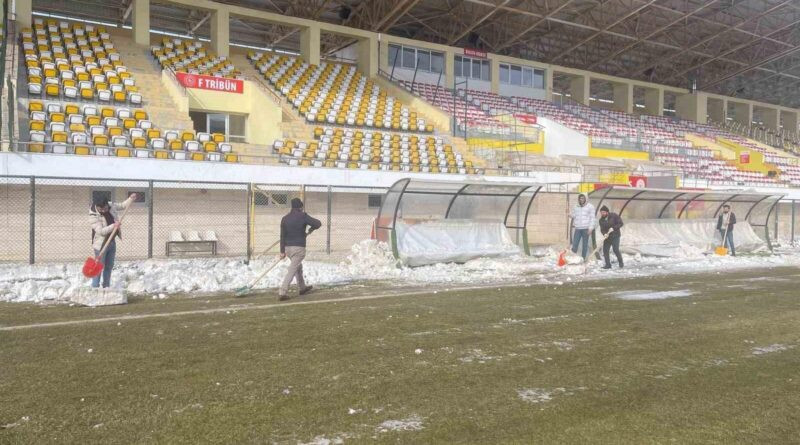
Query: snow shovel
[[722, 250], [92, 267], [242, 291]]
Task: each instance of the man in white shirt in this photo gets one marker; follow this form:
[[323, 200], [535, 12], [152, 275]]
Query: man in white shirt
[[583, 221]]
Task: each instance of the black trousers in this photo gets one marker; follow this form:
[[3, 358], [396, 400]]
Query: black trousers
[[608, 244]]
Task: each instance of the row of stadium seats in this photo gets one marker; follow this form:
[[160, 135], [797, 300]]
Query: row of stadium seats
[[76, 62], [192, 57], [88, 129], [336, 93], [338, 148]]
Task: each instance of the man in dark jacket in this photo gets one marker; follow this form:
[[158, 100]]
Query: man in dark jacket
[[293, 245], [610, 224], [725, 223]]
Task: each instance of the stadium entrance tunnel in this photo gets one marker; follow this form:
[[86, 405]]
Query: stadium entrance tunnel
[[684, 222], [429, 222]]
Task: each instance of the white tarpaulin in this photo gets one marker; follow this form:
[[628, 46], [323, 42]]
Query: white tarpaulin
[[452, 241], [683, 237]]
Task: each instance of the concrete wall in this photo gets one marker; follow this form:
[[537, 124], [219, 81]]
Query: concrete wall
[[560, 140], [263, 114]]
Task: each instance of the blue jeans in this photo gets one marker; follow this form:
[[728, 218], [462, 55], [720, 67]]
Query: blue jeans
[[729, 241], [578, 235], [108, 263]]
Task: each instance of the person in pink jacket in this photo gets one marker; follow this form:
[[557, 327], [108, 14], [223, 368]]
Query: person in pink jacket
[[103, 218]]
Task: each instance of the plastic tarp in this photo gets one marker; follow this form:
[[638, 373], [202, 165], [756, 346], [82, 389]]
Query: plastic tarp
[[682, 238], [452, 241]]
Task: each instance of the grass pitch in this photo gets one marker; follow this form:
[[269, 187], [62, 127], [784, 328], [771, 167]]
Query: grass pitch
[[719, 362]]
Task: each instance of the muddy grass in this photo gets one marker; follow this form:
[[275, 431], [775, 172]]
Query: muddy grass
[[710, 358]]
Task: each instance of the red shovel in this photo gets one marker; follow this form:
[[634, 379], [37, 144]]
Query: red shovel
[[92, 267]]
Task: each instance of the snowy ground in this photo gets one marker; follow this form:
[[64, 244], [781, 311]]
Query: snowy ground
[[369, 262]]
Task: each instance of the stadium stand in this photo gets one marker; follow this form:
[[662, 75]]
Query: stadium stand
[[76, 62], [192, 57], [84, 106]]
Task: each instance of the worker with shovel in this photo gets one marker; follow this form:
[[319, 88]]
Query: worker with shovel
[[293, 245], [105, 223], [725, 223], [610, 225]]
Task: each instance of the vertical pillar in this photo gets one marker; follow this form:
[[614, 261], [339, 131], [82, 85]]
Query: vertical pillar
[[742, 112], [449, 69], [770, 118], [140, 16], [692, 107], [494, 74], [309, 44], [579, 89], [548, 84], [23, 11], [328, 224], [789, 120], [32, 223], [384, 63], [654, 101], [249, 213], [220, 32], [150, 219], [368, 56], [623, 97], [718, 110]]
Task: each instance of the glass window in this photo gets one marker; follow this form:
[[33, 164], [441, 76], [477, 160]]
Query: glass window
[[538, 79], [457, 66], [476, 69], [236, 127], [527, 77], [437, 62], [424, 60], [516, 75], [394, 53], [485, 70], [409, 55], [374, 201], [503, 73]]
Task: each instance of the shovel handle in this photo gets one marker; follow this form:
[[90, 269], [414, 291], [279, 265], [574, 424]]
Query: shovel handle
[[113, 233]]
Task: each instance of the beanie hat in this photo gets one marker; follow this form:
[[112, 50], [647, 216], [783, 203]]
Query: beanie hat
[[100, 201], [297, 203], [604, 209]]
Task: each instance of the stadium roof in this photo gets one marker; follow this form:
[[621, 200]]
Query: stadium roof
[[742, 48]]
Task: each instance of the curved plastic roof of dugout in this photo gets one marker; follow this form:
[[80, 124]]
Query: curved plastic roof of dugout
[[413, 200], [644, 203]]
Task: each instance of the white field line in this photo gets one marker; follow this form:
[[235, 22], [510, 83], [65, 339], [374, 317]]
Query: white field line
[[229, 309]]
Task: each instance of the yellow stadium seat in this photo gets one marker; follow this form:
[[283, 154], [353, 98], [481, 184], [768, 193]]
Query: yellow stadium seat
[[100, 139], [209, 146], [197, 156], [175, 145], [36, 148], [51, 90], [139, 143], [230, 157], [82, 150], [119, 96], [187, 136], [123, 152], [115, 131], [161, 154]]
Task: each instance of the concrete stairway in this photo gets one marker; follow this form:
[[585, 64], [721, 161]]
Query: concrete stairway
[[157, 101]]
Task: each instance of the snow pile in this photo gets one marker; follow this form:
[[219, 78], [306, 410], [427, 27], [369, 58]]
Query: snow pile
[[538, 395], [413, 423], [771, 348], [368, 261], [651, 295]]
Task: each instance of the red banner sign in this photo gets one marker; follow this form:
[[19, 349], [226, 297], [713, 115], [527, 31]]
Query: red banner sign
[[639, 182], [475, 53], [210, 83], [744, 157]]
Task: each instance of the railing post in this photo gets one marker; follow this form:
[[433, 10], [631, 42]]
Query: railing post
[[249, 214], [330, 212], [32, 223], [793, 212], [150, 219]]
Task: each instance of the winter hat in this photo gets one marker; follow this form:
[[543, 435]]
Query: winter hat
[[100, 201], [604, 209], [297, 203]]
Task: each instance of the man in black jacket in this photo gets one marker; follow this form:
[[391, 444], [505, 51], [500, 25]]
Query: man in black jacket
[[725, 223], [610, 223], [293, 245]]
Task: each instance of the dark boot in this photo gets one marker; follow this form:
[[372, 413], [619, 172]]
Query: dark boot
[[607, 266], [306, 290]]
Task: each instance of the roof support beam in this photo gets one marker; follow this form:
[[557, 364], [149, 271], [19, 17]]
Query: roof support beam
[[655, 33], [755, 65], [400, 9], [469, 28], [519, 35], [663, 60]]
